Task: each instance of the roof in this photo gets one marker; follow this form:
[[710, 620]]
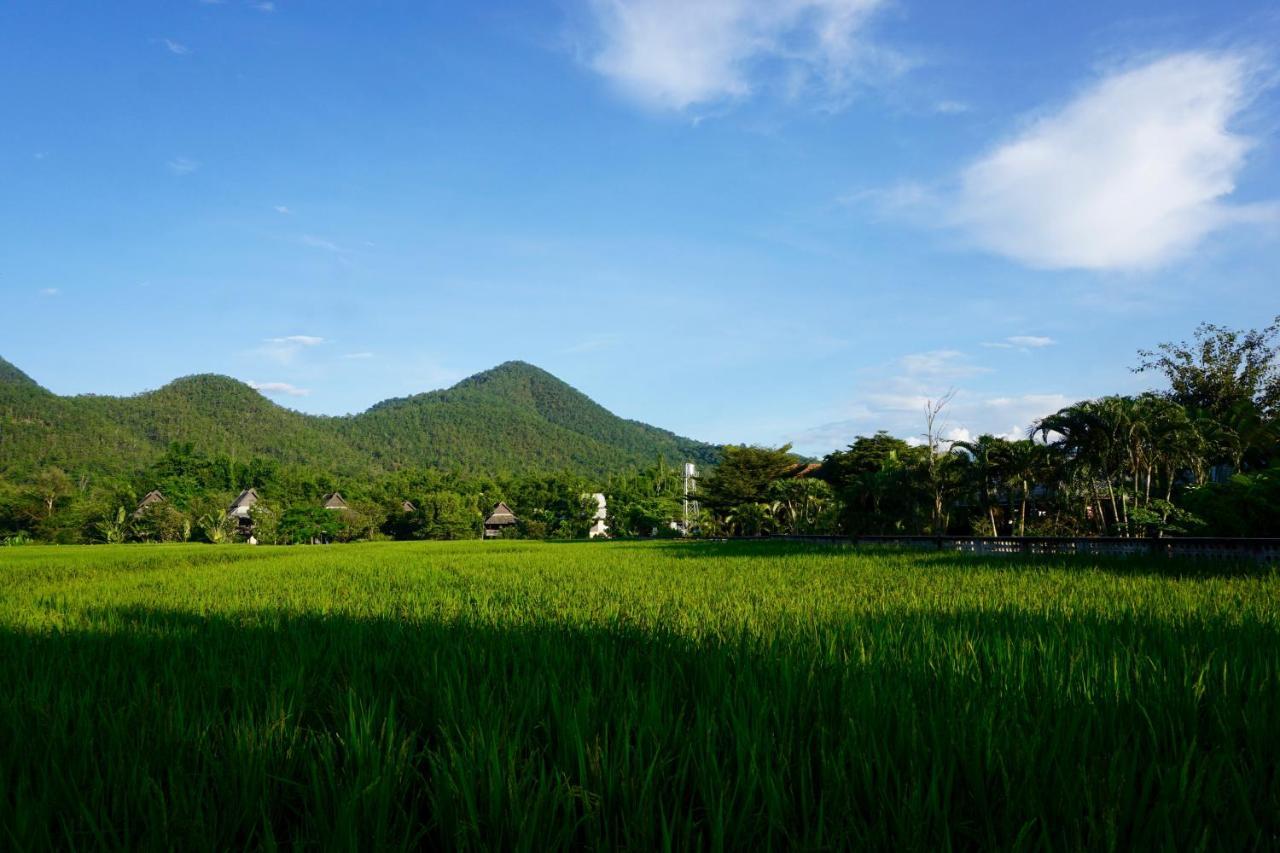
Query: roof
[[334, 500], [408, 506], [802, 470], [247, 498], [501, 514], [152, 497]]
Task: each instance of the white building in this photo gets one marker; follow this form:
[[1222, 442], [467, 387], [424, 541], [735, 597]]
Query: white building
[[598, 526]]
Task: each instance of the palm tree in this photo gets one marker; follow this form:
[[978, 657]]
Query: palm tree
[[1026, 464], [1091, 434], [987, 457]]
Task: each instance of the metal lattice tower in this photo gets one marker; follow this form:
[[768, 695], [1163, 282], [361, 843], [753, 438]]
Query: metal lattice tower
[[690, 489]]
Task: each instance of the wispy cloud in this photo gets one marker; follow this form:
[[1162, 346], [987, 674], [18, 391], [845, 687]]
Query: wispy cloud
[[969, 414], [1024, 342], [594, 343], [264, 6], [358, 355], [300, 340], [1131, 174], [320, 243], [279, 388], [894, 395], [284, 350], [940, 364], [674, 54], [50, 291], [174, 47], [1032, 341], [182, 166], [282, 209], [951, 108]]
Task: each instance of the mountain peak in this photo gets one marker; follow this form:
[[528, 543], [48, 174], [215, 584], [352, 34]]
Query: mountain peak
[[513, 417], [10, 375], [508, 371]]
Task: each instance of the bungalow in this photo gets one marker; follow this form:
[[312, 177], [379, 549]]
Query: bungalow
[[499, 520]]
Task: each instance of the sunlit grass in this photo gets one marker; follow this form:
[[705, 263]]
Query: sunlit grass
[[537, 696]]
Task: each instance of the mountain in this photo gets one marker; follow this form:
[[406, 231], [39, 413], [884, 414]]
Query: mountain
[[511, 419]]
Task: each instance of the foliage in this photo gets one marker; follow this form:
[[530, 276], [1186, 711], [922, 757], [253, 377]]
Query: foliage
[[309, 525], [1221, 369], [445, 515], [1245, 505], [114, 529], [878, 481]]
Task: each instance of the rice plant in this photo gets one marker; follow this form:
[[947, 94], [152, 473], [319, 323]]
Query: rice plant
[[535, 696]]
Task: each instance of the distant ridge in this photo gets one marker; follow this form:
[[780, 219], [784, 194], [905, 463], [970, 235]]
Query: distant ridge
[[512, 418]]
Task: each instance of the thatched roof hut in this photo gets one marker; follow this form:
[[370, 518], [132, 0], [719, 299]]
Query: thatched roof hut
[[334, 500], [152, 497], [500, 518], [241, 506]]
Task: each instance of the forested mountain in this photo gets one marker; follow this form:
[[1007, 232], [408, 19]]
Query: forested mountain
[[513, 418]]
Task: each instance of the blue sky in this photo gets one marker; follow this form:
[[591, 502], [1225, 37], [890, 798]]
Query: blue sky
[[744, 221]]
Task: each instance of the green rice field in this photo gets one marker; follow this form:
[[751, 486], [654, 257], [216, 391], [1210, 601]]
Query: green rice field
[[540, 696]]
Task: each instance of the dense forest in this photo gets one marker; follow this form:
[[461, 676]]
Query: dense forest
[[514, 418], [1200, 457]]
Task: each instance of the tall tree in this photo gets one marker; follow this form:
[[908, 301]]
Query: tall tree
[[1221, 368]]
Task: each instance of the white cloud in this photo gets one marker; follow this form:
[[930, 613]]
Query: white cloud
[[175, 47], [358, 355], [182, 165], [1131, 174], [50, 291], [673, 54], [950, 108], [265, 6], [283, 388], [282, 209]]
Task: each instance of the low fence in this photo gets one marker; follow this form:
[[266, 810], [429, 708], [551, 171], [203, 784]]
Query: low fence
[[1262, 550]]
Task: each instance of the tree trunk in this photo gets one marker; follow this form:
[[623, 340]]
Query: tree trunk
[[1022, 522]]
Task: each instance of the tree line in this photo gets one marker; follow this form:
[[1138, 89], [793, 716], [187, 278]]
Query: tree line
[[1202, 457]]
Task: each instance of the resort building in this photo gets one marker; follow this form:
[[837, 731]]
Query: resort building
[[500, 520], [240, 512]]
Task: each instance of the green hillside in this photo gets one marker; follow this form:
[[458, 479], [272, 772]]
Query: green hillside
[[511, 419]]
